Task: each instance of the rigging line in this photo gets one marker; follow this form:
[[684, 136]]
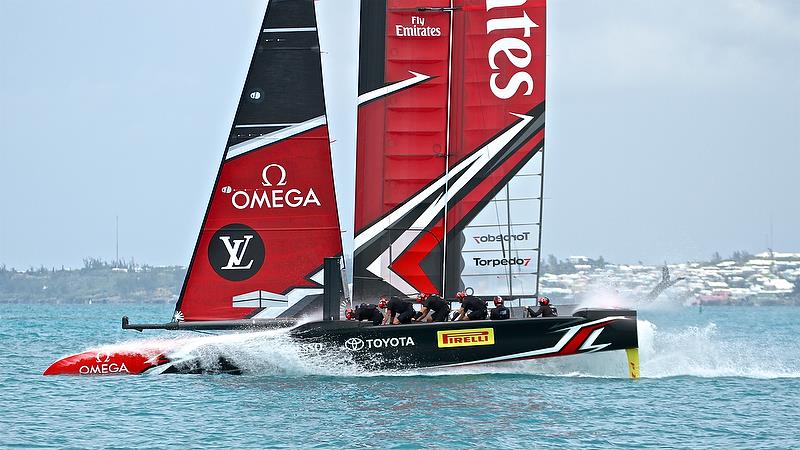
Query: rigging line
[[518, 199], [498, 276], [500, 230], [447, 149], [521, 224], [541, 211], [493, 250], [508, 223]]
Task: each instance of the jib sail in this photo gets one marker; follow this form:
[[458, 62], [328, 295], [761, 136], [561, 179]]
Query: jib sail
[[272, 216], [449, 153]]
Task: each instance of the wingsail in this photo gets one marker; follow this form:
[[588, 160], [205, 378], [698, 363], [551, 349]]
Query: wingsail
[[272, 216], [450, 147]]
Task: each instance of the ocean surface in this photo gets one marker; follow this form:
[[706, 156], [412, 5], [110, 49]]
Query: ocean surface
[[720, 377]]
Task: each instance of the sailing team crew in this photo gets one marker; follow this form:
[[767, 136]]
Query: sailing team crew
[[398, 311], [434, 308], [499, 312], [472, 308], [545, 310], [365, 311]]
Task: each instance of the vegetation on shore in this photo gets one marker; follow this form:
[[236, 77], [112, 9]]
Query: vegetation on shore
[[98, 281]]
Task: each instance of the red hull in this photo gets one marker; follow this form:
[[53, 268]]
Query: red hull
[[109, 362]]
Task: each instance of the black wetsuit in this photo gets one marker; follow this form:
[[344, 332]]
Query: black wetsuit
[[366, 311], [438, 308], [544, 311], [475, 307], [401, 309], [500, 313]]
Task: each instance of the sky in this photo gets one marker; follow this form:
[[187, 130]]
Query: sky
[[673, 127]]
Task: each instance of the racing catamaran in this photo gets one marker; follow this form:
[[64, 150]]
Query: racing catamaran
[[449, 177]]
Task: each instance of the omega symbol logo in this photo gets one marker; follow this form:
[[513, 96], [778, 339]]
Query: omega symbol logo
[[278, 173]]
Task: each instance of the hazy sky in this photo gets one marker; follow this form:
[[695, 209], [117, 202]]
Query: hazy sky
[[672, 126]]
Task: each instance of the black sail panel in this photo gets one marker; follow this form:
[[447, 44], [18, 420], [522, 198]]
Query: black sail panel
[[284, 83]]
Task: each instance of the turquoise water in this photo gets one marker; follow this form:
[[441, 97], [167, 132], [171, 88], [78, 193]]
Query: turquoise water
[[723, 377]]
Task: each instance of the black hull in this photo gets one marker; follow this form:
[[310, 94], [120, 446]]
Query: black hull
[[394, 347], [449, 344], [474, 342]]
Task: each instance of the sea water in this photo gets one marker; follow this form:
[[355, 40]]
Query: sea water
[[716, 377]]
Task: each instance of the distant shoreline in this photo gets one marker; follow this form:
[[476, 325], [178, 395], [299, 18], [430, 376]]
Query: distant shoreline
[[98, 282], [765, 279]]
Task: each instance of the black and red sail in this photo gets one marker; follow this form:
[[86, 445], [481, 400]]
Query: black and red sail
[[450, 138], [272, 216]]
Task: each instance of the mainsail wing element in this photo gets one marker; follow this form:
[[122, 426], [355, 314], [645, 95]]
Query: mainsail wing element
[[272, 216], [449, 152]]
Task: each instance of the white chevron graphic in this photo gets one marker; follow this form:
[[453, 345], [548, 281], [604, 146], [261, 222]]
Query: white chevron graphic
[[470, 166], [394, 87], [589, 344], [271, 138]]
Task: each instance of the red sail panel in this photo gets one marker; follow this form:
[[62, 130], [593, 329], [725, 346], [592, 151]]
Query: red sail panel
[[272, 216], [402, 137], [282, 197], [409, 206], [501, 50]]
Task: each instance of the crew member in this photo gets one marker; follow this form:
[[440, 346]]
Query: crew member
[[365, 311], [434, 309], [472, 308], [545, 310], [397, 310], [499, 312]]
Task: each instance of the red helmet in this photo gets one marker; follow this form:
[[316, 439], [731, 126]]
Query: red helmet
[[461, 295], [544, 301], [382, 304], [348, 313], [498, 301], [422, 296]]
